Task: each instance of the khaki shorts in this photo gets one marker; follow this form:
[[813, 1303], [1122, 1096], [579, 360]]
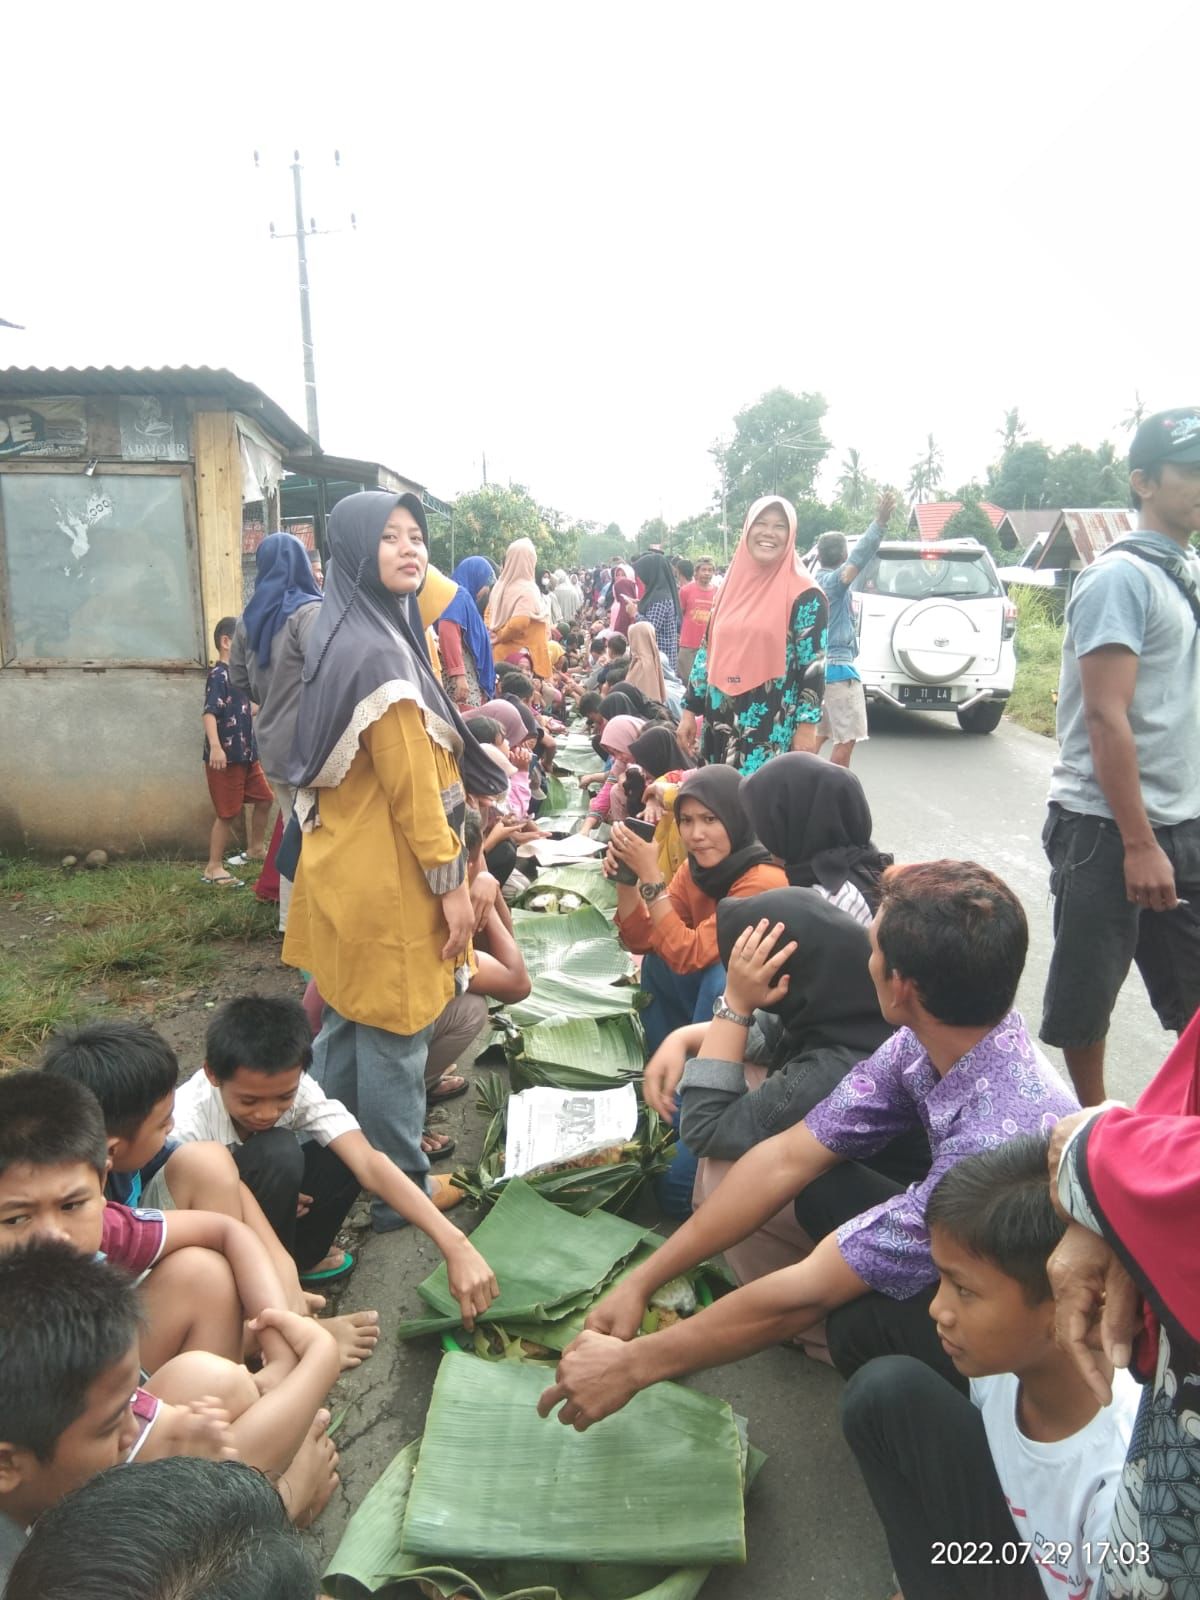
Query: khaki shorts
[[844, 712], [157, 1196]]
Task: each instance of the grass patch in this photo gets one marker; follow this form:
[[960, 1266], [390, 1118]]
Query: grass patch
[[1039, 654], [134, 932]]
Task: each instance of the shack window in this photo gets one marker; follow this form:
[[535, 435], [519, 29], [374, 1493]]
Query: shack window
[[99, 567]]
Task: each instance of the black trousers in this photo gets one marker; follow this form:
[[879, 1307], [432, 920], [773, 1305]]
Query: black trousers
[[874, 1324], [277, 1169], [923, 1454]]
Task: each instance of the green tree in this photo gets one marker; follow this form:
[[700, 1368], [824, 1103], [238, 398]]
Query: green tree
[[971, 521], [488, 519], [655, 531], [698, 536], [813, 519], [1132, 420], [596, 547], [1078, 476], [1013, 430], [926, 472], [777, 448], [1018, 481], [855, 487]]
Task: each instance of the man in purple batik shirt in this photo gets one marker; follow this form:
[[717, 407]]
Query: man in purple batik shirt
[[948, 946]]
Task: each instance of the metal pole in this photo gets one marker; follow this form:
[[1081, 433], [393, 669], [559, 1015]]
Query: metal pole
[[306, 338]]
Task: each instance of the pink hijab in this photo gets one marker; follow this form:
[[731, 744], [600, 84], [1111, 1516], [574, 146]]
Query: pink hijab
[[645, 666], [619, 734], [516, 593], [748, 629]]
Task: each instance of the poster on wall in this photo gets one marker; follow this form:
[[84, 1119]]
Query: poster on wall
[[42, 428], [152, 428]]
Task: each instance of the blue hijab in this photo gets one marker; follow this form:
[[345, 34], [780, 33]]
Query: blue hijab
[[471, 575], [284, 582]]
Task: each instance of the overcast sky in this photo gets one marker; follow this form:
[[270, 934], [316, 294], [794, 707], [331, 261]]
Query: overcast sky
[[588, 235]]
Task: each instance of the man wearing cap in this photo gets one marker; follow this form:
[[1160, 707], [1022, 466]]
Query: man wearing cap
[[1123, 830]]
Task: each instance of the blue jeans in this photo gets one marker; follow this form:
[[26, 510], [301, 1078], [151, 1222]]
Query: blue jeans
[[676, 1000], [380, 1078]]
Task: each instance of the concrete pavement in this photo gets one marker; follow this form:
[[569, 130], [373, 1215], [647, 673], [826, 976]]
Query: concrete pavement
[[811, 1531]]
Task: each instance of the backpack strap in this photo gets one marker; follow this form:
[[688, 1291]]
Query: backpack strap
[[1173, 566]]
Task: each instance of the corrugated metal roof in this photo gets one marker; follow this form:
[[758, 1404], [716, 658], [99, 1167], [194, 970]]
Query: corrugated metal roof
[[197, 382], [930, 518], [354, 470], [1028, 524], [1085, 532]]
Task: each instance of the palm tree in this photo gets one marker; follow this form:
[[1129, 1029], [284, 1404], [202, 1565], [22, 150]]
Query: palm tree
[[926, 473], [1013, 431], [1133, 421], [854, 484]]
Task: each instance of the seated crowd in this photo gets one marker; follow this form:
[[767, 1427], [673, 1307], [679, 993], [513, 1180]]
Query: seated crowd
[[867, 1133]]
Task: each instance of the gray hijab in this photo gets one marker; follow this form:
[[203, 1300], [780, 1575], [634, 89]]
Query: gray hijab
[[366, 652]]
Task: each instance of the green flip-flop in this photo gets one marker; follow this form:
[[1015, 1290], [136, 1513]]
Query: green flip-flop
[[330, 1275]]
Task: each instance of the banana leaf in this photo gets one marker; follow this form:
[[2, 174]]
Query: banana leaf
[[559, 996], [579, 943], [561, 823], [547, 1261], [586, 881], [538, 1485], [575, 756], [578, 1053], [564, 794], [370, 1560]]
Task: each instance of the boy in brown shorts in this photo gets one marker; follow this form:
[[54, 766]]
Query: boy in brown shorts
[[235, 779]]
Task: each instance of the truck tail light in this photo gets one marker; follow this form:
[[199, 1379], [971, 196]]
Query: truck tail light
[[1010, 620]]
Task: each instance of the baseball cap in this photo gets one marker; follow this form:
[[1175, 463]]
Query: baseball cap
[[1167, 436]]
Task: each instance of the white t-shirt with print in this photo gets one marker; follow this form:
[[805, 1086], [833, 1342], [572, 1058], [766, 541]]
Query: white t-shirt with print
[[200, 1114], [1061, 1495]]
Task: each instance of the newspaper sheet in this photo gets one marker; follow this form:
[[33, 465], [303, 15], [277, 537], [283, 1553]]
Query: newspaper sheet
[[547, 1126]]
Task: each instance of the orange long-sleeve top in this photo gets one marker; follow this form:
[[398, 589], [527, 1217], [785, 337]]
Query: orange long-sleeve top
[[686, 938]]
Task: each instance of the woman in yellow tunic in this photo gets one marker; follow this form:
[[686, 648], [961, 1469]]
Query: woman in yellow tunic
[[381, 912], [516, 613]]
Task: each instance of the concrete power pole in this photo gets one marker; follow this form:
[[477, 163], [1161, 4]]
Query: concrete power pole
[[304, 231]]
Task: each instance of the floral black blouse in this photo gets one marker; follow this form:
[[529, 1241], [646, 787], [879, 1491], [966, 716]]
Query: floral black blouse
[[744, 730]]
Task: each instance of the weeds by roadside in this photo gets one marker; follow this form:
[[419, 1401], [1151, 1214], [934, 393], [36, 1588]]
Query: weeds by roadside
[[135, 933], [1039, 653]]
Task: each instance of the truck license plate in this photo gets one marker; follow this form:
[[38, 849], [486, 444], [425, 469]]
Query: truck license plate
[[923, 694]]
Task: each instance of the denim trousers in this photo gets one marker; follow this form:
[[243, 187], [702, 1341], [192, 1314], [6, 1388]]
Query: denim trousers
[[677, 998], [380, 1077]]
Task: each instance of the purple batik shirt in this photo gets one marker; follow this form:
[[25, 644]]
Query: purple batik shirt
[[1004, 1086]]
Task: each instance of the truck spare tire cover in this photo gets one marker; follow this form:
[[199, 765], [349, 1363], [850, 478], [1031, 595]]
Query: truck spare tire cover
[[935, 641]]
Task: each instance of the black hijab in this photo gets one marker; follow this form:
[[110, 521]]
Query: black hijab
[[654, 570], [831, 1000], [629, 701], [656, 752], [815, 818], [366, 652], [717, 788]]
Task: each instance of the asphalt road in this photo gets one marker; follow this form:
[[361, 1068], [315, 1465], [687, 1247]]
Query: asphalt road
[[811, 1531]]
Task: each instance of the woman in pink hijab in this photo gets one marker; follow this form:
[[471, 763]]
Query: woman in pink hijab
[[766, 630]]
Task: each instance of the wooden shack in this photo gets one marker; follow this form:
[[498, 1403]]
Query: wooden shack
[[121, 510]]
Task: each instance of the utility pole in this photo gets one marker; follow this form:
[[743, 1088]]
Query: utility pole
[[304, 231]]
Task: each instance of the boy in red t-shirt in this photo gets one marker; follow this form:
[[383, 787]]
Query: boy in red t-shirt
[[696, 602]]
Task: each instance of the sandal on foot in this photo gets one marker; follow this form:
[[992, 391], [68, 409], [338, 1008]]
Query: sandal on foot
[[448, 1087], [227, 881], [330, 1274], [444, 1194], [441, 1151], [241, 859]]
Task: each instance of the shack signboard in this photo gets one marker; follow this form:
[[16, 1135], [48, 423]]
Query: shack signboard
[[43, 428]]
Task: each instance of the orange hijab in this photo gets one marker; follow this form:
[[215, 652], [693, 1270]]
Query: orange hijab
[[748, 629]]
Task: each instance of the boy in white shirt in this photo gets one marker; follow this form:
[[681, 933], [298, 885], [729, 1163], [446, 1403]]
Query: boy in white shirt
[[303, 1156], [1009, 1493]]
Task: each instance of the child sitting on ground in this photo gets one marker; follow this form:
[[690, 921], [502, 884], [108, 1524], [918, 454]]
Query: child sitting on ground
[[218, 1528], [204, 1273], [70, 1404], [132, 1071], [1021, 1478], [290, 1139]]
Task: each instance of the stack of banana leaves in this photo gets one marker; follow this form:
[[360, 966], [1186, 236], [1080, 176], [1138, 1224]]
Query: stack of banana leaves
[[456, 1513], [552, 1267], [566, 804], [608, 1178]]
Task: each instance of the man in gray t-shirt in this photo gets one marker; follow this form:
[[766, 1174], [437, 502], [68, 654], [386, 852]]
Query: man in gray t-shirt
[[1123, 831]]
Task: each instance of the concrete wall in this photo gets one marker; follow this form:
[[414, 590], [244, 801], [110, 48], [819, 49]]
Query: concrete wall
[[103, 759]]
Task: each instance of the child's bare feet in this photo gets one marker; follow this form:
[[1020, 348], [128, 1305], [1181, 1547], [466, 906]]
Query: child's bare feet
[[312, 1302], [199, 1428], [311, 1476], [357, 1334]]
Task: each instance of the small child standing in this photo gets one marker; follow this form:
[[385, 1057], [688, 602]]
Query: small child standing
[[1020, 1480], [235, 778], [290, 1139]]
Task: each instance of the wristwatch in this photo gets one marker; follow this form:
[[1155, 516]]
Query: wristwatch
[[651, 891], [722, 1013]]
